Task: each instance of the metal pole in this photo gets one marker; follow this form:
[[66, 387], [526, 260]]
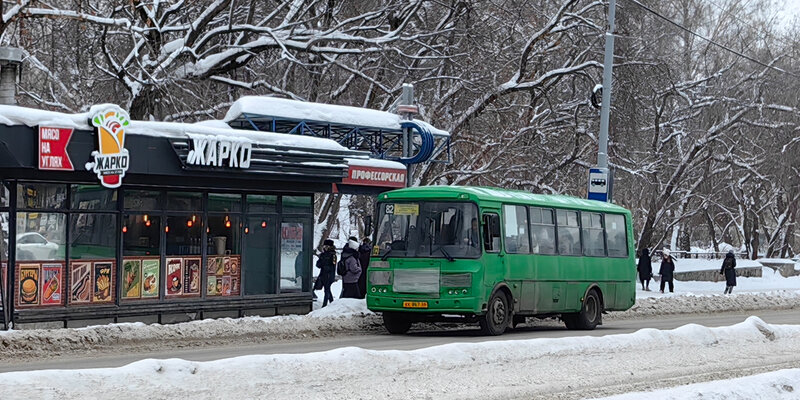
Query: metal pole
[[407, 98], [605, 107]]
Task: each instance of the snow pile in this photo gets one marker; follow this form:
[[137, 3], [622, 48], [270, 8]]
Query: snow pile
[[778, 385], [488, 370], [344, 315], [689, 303]]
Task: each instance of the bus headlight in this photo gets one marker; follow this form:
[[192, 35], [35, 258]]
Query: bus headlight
[[456, 280], [380, 278]]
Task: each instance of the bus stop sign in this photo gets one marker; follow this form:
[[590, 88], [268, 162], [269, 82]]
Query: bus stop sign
[[600, 184]]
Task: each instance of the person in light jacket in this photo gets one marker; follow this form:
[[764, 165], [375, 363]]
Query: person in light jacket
[[353, 270], [645, 268], [666, 271], [729, 270]]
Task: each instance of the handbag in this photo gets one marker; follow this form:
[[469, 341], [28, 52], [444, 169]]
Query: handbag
[[318, 282]]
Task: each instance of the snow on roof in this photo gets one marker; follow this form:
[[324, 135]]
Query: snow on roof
[[375, 163], [318, 112], [16, 115]]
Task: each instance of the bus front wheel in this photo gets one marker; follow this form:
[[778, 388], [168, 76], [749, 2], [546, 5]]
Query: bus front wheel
[[495, 321], [590, 315], [396, 324]]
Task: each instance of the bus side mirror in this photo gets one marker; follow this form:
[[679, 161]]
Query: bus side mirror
[[368, 226]]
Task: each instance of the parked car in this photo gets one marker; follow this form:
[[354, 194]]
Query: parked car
[[34, 246]]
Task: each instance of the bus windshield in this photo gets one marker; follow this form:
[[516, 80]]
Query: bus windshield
[[429, 229]]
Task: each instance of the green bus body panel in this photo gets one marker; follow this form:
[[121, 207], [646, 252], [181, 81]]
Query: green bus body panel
[[539, 284]]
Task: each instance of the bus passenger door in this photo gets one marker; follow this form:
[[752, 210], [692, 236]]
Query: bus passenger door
[[494, 260]]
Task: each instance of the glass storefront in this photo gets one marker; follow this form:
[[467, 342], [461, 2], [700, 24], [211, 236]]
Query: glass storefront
[[174, 245]]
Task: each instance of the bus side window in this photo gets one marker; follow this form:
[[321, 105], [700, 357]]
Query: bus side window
[[491, 233], [543, 231], [616, 233]]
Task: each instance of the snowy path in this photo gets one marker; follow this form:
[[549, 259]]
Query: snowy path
[[562, 368]]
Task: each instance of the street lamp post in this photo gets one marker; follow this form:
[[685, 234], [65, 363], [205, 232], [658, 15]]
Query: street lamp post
[[601, 177]]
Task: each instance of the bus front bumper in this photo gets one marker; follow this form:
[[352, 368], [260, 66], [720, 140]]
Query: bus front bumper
[[459, 305]]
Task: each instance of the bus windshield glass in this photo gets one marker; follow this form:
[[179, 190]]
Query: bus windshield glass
[[429, 230]]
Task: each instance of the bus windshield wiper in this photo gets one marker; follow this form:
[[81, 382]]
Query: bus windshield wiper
[[446, 254], [386, 255]]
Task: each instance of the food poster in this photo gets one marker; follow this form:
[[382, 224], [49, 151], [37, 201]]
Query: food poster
[[191, 276], [218, 286], [211, 267], [102, 282], [131, 279], [29, 285], [52, 284], [174, 276], [211, 286], [226, 285], [235, 275], [234, 287], [226, 269], [220, 261], [81, 279], [150, 278]]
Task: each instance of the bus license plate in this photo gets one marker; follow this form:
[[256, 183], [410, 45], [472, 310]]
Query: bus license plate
[[415, 304]]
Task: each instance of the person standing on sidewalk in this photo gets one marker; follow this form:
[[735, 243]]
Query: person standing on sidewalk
[[364, 252], [729, 270], [645, 268], [667, 270], [327, 269], [351, 269]]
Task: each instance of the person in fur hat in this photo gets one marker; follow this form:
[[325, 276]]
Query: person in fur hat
[[352, 269]]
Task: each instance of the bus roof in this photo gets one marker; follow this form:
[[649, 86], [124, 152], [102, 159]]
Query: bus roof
[[500, 195]]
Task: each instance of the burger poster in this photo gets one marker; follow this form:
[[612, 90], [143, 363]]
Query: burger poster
[[51, 284], [102, 282], [174, 276], [131, 279], [29, 284], [191, 276], [150, 278], [81, 278]]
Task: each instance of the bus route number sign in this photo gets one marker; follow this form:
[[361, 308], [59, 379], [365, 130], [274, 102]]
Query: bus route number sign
[[402, 209]]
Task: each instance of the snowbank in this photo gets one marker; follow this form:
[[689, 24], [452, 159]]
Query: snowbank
[[487, 370], [776, 385], [344, 315]]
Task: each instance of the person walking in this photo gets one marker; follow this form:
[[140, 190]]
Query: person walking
[[729, 270], [666, 271], [364, 252], [327, 269], [352, 269], [645, 268]]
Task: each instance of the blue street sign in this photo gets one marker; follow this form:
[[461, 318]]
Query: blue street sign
[[600, 184]]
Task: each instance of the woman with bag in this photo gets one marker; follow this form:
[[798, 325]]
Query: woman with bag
[[351, 269], [327, 270]]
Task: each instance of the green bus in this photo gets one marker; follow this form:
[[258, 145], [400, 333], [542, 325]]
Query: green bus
[[496, 256]]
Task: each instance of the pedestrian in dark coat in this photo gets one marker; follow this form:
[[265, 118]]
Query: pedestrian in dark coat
[[364, 252], [327, 269], [729, 270], [645, 268], [352, 270], [666, 270]]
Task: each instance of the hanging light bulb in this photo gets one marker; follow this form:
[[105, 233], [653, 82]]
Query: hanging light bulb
[[263, 224], [246, 230], [227, 224], [189, 223], [166, 229], [146, 218], [147, 223], [124, 229]]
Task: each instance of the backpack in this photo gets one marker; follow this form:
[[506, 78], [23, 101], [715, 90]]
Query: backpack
[[341, 267]]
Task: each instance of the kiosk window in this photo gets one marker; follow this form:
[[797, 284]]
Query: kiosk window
[[491, 233], [93, 236]]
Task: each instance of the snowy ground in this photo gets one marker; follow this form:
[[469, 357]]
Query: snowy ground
[[488, 370]]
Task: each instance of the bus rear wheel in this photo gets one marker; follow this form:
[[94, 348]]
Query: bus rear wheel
[[496, 319], [590, 315], [396, 324]]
